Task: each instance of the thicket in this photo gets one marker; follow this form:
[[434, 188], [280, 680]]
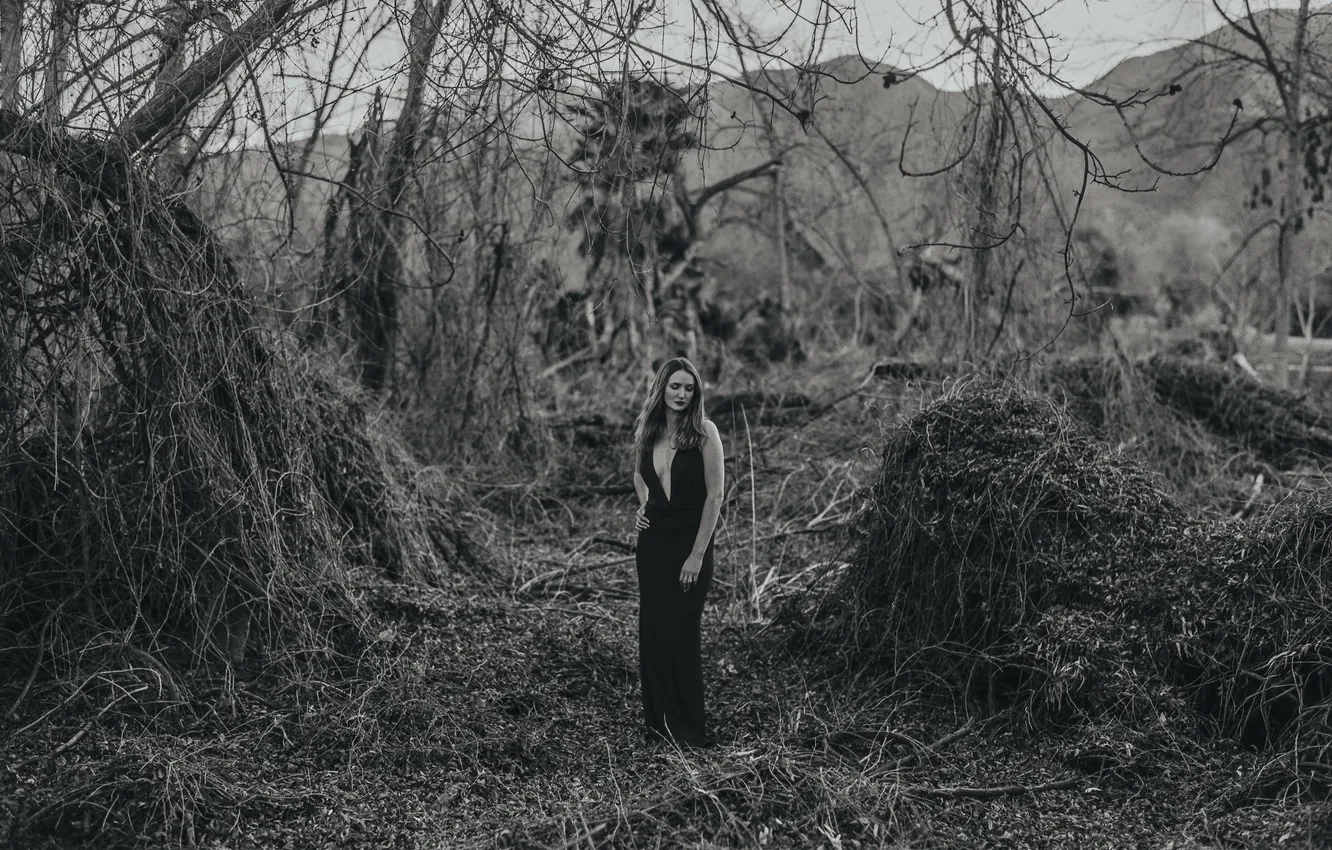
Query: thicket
[[1009, 555], [1224, 442], [176, 486]]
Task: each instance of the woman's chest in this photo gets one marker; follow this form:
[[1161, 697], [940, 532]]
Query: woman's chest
[[679, 473], [663, 462]]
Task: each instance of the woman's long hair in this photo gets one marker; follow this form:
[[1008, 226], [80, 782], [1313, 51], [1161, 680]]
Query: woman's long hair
[[652, 418]]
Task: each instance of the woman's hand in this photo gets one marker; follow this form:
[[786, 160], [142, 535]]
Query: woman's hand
[[693, 565], [640, 517]]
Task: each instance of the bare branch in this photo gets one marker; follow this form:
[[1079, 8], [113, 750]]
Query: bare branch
[[178, 97], [730, 182]]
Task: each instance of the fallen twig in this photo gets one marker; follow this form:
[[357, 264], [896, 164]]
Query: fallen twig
[[614, 544], [998, 791], [952, 737], [583, 612], [565, 572], [587, 834], [792, 532], [870, 737], [82, 730], [555, 367], [592, 490]]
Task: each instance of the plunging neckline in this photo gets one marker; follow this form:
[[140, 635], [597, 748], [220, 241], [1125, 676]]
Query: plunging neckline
[[670, 476]]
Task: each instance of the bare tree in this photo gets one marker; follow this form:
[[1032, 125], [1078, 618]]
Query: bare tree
[[1004, 170], [377, 287], [535, 59], [1264, 76], [203, 67], [1287, 68]]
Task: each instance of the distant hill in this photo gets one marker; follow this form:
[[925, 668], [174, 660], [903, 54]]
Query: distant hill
[[1183, 120], [866, 136]]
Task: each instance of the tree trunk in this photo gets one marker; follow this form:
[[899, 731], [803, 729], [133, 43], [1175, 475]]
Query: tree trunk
[[11, 52], [171, 104], [63, 15], [1290, 207], [492, 281], [174, 24], [330, 283], [779, 236], [984, 229], [375, 324]]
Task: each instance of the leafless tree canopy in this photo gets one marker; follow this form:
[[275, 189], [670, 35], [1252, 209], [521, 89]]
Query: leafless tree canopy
[[141, 385]]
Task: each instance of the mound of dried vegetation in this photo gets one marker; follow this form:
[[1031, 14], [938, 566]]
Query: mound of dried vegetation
[[1007, 553], [1207, 427], [173, 489]]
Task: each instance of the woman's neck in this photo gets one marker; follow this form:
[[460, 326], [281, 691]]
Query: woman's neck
[[672, 423]]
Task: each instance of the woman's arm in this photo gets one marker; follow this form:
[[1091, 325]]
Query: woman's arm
[[714, 476], [641, 491], [640, 488]]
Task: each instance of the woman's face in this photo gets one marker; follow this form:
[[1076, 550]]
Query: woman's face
[[679, 391]]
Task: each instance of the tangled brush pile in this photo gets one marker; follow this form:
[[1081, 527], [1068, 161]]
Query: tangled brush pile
[[1277, 425], [1207, 427], [368, 477], [170, 487], [991, 508], [1006, 552]]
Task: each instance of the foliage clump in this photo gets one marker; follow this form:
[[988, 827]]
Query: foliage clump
[[1224, 442], [169, 483], [368, 478], [1008, 554], [1276, 425]]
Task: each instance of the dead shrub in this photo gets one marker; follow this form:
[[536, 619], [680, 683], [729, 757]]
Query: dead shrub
[[1208, 429], [167, 475], [1007, 554]]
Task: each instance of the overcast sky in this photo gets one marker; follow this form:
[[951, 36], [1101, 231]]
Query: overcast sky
[[1091, 36]]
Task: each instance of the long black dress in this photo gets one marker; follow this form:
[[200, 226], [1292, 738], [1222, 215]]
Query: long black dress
[[670, 664]]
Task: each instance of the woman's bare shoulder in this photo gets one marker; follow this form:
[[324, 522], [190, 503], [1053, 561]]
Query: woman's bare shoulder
[[710, 429]]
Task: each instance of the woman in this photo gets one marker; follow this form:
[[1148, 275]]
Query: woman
[[678, 477]]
